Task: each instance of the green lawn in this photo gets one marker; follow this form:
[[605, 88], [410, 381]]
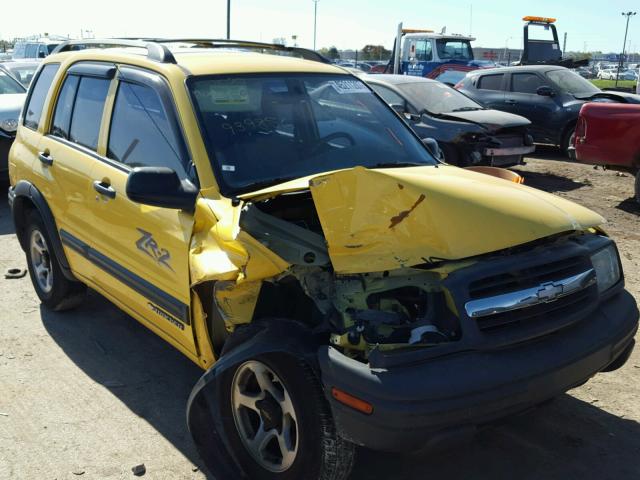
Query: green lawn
[[612, 83]]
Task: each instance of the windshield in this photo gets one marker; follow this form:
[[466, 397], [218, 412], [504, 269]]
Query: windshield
[[266, 129], [572, 83], [436, 97], [9, 85], [454, 49]]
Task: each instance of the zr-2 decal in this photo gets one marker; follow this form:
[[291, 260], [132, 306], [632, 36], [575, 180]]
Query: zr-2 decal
[[148, 245]]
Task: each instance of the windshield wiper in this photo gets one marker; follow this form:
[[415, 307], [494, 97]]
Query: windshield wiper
[[467, 109], [252, 187], [399, 164]]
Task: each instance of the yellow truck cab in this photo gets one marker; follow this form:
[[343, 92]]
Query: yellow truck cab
[[268, 215]]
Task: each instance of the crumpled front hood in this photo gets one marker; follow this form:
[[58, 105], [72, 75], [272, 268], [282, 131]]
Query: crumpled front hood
[[376, 220], [493, 120]]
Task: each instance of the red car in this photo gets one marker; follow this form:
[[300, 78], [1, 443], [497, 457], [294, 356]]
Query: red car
[[608, 134]]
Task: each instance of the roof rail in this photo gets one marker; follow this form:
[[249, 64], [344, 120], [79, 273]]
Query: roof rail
[[242, 44], [155, 51]]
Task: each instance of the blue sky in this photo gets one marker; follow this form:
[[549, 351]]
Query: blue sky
[[344, 23]]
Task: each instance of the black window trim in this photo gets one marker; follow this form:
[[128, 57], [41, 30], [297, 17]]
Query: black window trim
[[32, 86], [155, 81], [83, 68]]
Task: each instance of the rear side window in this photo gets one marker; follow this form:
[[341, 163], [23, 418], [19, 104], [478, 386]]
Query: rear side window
[[491, 82], [87, 111], [525, 83], [33, 110], [140, 133], [64, 107]]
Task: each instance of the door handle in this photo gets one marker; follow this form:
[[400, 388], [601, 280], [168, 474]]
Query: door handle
[[45, 158], [510, 102], [104, 189]]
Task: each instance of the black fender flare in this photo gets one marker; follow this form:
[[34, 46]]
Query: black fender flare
[[25, 193], [204, 419]]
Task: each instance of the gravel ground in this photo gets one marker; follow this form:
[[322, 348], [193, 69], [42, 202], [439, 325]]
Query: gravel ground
[[91, 394]]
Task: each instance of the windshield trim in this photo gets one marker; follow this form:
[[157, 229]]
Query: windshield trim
[[229, 192]]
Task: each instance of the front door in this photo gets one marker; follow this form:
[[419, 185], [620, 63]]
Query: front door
[[144, 249], [522, 99]]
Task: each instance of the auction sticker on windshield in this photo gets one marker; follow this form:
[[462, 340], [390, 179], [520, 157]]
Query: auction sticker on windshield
[[348, 86]]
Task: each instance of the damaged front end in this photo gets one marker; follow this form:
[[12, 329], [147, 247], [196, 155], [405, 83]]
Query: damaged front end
[[362, 256]]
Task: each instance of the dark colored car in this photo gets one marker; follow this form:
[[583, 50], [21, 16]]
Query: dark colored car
[[549, 96], [609, 135], [12, 96], [468, 133]]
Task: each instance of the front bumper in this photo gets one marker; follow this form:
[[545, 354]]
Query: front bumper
[[424, 403], [503, 152]]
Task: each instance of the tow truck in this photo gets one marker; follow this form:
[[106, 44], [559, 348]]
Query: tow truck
[[425, 53], [542, 46], [419, 52]]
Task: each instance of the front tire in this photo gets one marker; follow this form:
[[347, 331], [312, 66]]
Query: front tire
[[638, 186], [279, 424], [55, 291]]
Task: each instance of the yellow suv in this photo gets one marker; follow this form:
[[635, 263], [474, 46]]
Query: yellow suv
[[274, 220]]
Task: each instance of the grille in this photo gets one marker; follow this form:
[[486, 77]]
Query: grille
[[529, 278]]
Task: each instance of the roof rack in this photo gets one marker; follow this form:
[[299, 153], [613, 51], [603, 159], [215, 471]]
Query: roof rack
[[158, 51], [242, 44], [155, 51]]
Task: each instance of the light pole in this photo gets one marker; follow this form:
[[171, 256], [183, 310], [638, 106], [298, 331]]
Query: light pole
[[315, 21], [228, 19], [624, 45]]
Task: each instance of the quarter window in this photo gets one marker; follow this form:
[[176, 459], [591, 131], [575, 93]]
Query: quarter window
[[87, 111], [64, 107], [525, 83], [491, 82], [140, 133], [33, 110]]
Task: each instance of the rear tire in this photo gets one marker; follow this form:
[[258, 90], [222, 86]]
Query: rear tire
[[55, 291], [638, 186]]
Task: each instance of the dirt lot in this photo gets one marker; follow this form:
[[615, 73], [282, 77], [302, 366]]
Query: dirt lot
[[91, 394]]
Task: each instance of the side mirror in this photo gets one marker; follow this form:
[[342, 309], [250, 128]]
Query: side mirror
[[161, 187], [41, 55], [545, 91], [433, 147]]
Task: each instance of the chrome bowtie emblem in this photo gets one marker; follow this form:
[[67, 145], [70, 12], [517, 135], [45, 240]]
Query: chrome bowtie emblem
[[549, 292]]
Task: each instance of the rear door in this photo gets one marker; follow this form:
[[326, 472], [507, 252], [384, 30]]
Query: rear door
[[522, 99], [68, 153], [490, 90], [143, 251]]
